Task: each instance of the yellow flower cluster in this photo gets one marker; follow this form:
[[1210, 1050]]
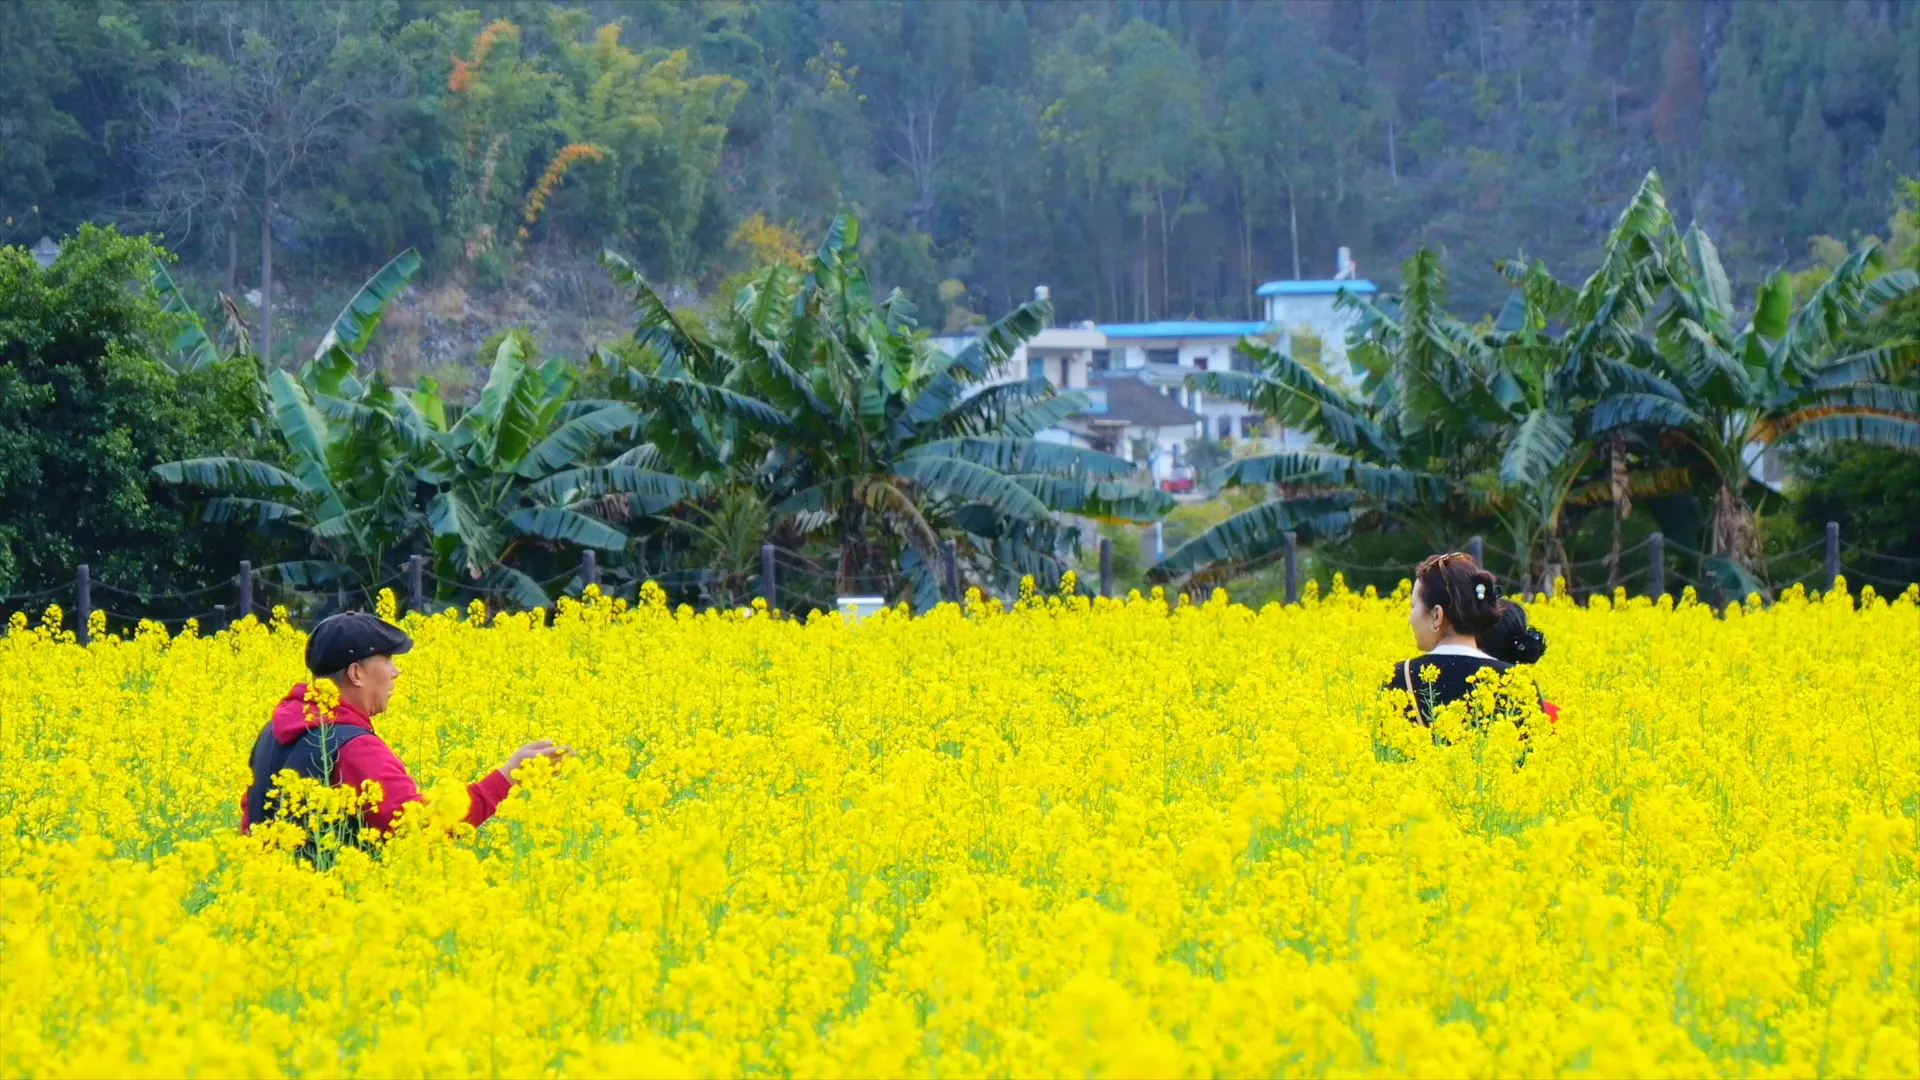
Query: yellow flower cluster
[[1061, 838]]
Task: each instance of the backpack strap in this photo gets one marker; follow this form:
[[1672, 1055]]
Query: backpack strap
[[315, 755], [1406, 676]]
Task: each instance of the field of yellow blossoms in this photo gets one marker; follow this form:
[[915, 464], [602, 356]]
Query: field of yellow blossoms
[[1066, 838]]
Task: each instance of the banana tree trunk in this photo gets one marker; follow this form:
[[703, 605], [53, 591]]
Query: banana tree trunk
[[1622, 506], [1736, 533], [853, 553]]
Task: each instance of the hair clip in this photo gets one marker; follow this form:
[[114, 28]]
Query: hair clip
[[1479, 590]]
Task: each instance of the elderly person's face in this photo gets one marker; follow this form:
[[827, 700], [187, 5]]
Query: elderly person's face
[[369, 683]]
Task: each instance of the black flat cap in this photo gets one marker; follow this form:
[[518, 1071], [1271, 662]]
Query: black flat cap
[[349, 637]]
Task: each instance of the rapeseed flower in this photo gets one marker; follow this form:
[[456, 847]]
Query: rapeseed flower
[[1062, 836]]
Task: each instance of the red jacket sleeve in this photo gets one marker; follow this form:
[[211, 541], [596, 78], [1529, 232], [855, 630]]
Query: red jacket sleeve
[[369, 758]]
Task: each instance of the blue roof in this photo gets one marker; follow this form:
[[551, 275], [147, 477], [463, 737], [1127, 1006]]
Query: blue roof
[[1315, 288], [1185, 329]]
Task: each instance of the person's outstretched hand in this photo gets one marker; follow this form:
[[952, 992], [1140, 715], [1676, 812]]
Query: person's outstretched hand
[[542, 748]]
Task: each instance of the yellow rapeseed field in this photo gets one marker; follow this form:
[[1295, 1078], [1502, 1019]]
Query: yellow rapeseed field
[[1064, 839]]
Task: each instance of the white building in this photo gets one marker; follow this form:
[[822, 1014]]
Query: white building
[[1123, 367], [1164, 354], [1294, 306]]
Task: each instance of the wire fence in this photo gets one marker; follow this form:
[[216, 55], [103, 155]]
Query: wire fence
[[797, 583]]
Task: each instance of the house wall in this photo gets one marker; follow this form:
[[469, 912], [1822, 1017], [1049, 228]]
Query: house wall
[[1317, 314]]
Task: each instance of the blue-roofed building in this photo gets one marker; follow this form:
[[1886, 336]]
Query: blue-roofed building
[[1164, 354], [1311, 306]]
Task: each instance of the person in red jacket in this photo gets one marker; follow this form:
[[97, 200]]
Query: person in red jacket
[[355, 652]]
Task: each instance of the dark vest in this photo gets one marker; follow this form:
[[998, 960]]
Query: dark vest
[[315, 754]]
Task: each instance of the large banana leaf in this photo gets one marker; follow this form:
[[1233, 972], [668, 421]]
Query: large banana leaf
[[1715, 292], [230, 474], [982, 414], [524, 592], [228, 508], [307, 435], [1314, 469], [1105, 500], [563, 526], [659, 329], [192, 349], [1622, 410], [1014, 455], [353, 328], [1257, 533], [971, 482], [573, 439], [509, 407], [689, 397], [1538, 446], [1640, 484], [1879, 364], [997, 345], [655, 491], [456, 527], [1819, 425]]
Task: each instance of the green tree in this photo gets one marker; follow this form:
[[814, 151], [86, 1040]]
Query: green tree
[[841, 411], [87, 409], [1781, 377]]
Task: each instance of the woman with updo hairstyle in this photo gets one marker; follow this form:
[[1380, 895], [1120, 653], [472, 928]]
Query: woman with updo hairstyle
[[1512, 640], [1455, 602]]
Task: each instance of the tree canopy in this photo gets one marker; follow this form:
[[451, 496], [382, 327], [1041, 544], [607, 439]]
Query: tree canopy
[[1144, 158]]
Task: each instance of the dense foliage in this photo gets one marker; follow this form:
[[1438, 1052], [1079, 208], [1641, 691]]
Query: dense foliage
[[1144, 158], [87, 409], [1649, 378], [973, 843]]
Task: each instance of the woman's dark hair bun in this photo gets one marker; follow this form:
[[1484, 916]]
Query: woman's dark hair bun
[[1511, 639], [1528, 646]]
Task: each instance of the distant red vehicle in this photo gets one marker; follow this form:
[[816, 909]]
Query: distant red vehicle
[[1178, 485]]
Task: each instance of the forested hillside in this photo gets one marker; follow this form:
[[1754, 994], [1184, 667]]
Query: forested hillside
[[1145, 159]]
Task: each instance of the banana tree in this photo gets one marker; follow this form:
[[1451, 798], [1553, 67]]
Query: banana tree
[[1733, 387], [520, 471], [1545, 385], [842, 413], [1398, 447], [345, 484]]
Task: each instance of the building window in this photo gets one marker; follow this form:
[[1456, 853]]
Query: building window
[[1223, 426], [1200, 362], [1250, 427], [1179, 455], [1103, 359], [1164, 356]]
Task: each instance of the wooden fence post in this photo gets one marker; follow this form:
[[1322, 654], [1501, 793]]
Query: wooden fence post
[[953, 571], [417, 598], [246, 588], [1477, 548], [768, 586], [1293, 568], [589, 569], [219, 617], [1833, 553], [1106, 567], [1657, 566], [83, 587]]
